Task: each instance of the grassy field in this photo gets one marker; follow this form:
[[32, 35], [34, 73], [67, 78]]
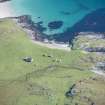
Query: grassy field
[[45, 80]]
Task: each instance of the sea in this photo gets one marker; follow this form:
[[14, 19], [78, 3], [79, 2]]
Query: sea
[[56, 15]]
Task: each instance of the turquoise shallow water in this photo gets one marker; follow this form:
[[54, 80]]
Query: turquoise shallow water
[[67, 11]]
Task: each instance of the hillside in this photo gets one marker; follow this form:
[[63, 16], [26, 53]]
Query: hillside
[[54, 77]]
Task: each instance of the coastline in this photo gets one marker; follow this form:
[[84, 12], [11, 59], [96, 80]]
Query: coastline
[[27, 25], [36, 36], [6, 10], [44, 42], [53, 45]]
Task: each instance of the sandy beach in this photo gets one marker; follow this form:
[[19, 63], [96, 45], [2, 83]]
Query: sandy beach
[[5, 10], [48, 44], [53, 45]]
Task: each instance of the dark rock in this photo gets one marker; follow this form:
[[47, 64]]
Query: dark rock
[[25, 19], [71, 91], [37, 29], [96, 49], [100, 66], [40, 26], [28, 59], [55, 24], [50, 56]]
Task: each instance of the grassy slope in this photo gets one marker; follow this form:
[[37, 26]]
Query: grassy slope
[[42, 82]]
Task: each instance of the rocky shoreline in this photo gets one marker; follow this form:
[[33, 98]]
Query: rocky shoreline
[[35, 32], [26, 23], [94, 45]]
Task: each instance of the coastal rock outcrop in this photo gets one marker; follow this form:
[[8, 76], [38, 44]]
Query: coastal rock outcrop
[[96, 49], [33, 29], [90, 42]]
